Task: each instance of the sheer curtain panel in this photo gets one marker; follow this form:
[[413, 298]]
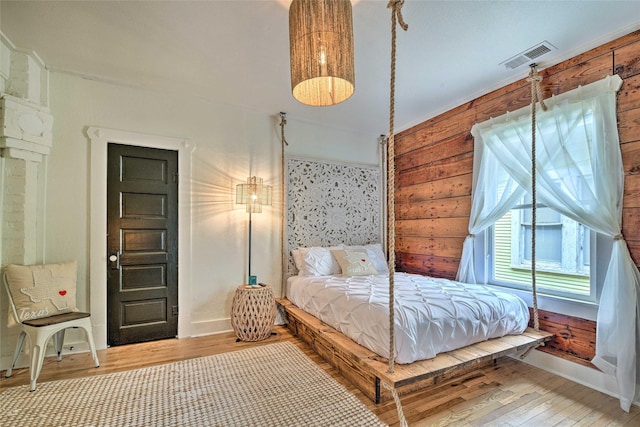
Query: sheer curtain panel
[[579, 174]]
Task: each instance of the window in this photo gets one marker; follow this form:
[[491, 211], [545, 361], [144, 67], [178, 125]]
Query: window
[[563, 264], [582, 177], [562, 255]]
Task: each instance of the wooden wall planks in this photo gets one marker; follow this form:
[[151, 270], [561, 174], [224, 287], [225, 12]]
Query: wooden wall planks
[[575, 338], [434, 162]]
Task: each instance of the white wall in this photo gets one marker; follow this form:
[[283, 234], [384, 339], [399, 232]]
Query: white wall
[[231, 144]]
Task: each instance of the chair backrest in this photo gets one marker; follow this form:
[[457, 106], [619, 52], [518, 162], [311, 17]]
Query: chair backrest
[[12, 306]]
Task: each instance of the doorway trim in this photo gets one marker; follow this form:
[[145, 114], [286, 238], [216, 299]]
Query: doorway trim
[[99, 139]]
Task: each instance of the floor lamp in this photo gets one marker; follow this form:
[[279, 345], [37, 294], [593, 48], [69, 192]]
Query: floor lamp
[[254, 195]]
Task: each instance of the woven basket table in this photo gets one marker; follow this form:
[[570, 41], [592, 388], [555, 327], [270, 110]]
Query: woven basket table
[[253, 312]]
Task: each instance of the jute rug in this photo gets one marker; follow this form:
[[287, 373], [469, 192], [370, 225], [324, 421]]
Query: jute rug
[[270, 385]]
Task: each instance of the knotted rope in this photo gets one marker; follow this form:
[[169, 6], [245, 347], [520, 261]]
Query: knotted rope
[[283, 214], [536, 96], [396, 18]]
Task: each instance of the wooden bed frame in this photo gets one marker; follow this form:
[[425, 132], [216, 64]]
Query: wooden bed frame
[[367, 371]]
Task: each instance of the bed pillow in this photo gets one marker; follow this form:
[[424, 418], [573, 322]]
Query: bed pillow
[[375, 255], [41, 290], [297, 259], [318, 261], [354, 262]]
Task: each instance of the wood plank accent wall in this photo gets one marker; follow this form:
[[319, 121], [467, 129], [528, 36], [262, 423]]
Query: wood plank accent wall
[[574, 340], [434, 162]]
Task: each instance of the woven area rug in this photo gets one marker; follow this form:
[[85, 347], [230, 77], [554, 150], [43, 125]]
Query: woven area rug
[[269, 385]]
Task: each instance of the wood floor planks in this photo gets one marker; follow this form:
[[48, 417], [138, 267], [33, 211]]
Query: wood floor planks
[[510, 393]]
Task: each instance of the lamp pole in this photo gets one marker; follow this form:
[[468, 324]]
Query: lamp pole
[[254, 195], [249, 278]]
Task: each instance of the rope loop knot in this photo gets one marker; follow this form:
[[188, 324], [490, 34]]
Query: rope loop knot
[[396, 13], [536, 92], [618, 237], [534, 77]]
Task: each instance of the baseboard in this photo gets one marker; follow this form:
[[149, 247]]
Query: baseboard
[[580, 374], [209, 327]]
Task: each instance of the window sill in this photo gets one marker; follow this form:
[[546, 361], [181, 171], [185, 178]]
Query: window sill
[[549, 270], [582, 309]]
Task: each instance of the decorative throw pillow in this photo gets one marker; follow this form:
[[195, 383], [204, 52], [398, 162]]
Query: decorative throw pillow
[[317, 261], [376, 256], [354, 262], [42, 290], [297, 259]]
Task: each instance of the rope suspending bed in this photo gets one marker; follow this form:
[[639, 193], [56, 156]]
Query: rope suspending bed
[[536, 96], [396, 19]]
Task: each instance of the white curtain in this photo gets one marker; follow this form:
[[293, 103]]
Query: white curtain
[[579, 174]]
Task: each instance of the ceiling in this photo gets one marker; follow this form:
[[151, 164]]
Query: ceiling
[[237, 52]]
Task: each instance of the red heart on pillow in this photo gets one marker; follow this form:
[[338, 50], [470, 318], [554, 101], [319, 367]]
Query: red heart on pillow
[[63, 293]]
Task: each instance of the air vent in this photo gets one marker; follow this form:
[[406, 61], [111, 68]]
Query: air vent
[[528, 55]]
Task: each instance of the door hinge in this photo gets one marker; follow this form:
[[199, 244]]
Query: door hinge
[[174, 310], [175, 178]]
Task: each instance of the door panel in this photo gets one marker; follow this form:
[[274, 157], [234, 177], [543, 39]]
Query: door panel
[[142, 224], [144, 205], [148, 311]]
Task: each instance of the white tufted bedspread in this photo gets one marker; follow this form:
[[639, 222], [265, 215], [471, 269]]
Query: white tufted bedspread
[[432, 315]]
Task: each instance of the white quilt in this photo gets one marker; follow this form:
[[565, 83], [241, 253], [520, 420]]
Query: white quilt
[[431, 315]]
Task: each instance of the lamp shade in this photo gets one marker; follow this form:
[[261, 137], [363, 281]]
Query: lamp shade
[[321, 47], [253, 194]]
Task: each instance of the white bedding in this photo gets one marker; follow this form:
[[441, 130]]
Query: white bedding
[[431, 315]]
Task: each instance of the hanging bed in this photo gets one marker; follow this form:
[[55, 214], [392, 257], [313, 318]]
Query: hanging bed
[[336, 295], [368, 370], [432, 315]]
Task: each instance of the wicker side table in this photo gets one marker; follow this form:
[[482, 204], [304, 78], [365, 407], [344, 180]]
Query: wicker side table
[[253, 312]]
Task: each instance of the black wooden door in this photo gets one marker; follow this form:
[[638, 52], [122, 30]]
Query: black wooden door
[[142, 227]]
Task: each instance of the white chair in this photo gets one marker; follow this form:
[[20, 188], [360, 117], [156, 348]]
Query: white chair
[[41, 330]]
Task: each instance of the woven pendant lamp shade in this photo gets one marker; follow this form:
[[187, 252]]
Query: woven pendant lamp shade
[[321, 43]]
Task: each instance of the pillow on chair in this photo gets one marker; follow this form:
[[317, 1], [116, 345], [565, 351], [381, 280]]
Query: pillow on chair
[[41, 290]]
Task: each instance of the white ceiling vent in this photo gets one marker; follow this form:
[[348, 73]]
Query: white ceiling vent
[[528, 55]]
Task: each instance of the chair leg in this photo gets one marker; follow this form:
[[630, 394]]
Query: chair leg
[[38, 337], [37, 359], [19, 345], [92, 345], [38, 349], [58, 341]]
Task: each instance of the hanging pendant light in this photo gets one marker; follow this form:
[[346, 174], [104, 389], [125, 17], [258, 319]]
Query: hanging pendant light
[[321, 44]]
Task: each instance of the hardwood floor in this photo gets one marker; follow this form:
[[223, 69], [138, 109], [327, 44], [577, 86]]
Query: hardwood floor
[[510, 393]]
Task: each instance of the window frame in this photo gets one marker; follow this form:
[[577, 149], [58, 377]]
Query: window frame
[[571, 257], [583, 308], [519, 226]]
